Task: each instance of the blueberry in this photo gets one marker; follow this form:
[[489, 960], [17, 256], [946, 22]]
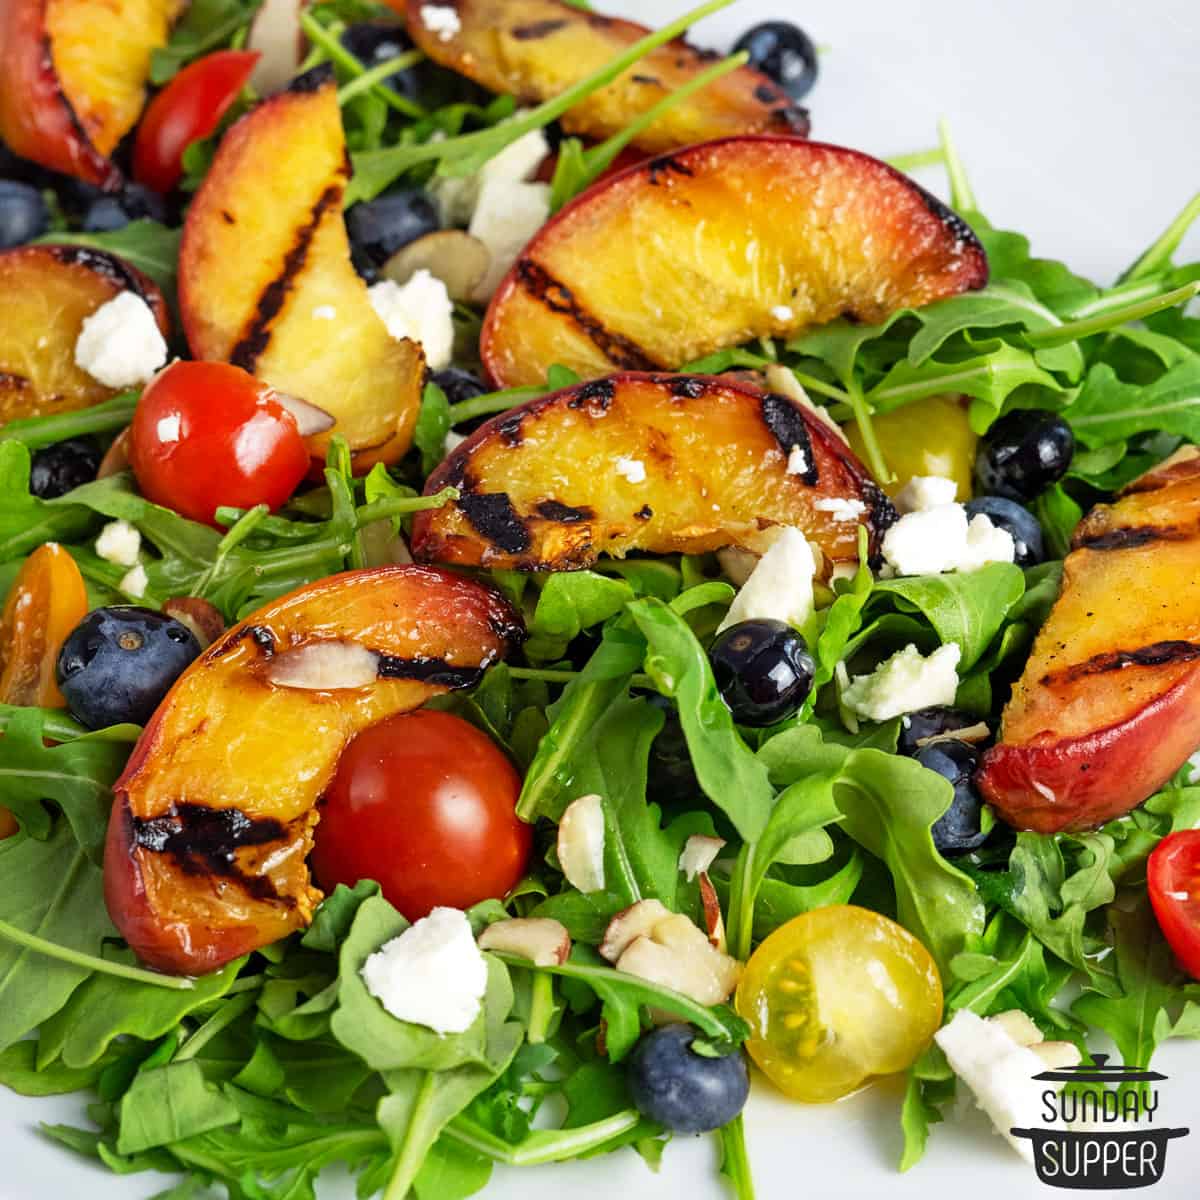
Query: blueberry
[[1025, 528], [118, 663], [931, 722], [763, 671], [459, 385], [1023, 454], [783, 52], [683, 1091], [62, 467], [373, 42], [23, 213], [378, 228], [958, 830], [109, 211]]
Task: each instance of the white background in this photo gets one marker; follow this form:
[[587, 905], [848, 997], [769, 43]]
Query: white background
[[1080, 126]]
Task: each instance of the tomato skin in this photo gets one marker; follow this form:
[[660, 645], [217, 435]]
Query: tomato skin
[[206, 434], [189, 107], [425, 804], [1173, 881]]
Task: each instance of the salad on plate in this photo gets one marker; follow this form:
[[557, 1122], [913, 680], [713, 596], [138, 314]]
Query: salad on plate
[[536, 596]]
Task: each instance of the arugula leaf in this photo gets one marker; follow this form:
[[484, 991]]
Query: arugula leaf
[[569, 603], [586, 917], [1058, 513], [433, 423], [205, 25], [25, 521], [147, 245], [105, 417], [1108, 410], [19, 1071], [168, 1104]]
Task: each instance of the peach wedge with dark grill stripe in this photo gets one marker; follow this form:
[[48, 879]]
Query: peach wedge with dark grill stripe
[[213, 819], [716, 245], [1108, 708], [266, 282], [536, 49], [665, 463]]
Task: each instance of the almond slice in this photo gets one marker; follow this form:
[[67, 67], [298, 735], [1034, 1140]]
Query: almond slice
[[201, 617], [545, 942], [699, 853], [324, 667], [630, 924], [581, 844], [310, 419], [459, 260]]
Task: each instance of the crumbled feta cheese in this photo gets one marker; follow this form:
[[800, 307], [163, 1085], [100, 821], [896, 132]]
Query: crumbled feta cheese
[[1000, 1073], [631, 469], [781, 586], [904, 683], [120, 344], [797, 463], [422, 310], [843, 570], [453, 441], [324, 312], [442, 20], [781, 312], [433, 974], [941, 539], [840, 509], [458, 196], [507, 214], [119, 542], [925, 491], [133, 582]]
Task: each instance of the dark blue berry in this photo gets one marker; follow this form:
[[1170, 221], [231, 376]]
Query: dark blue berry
[[380, 227], [23, 213], [118, 664], [683, 1091], [109, 211], [958, 830], [783, 52], [1025, 528], [763, 671], [1023, 454], [915, 727], [63, 467], [459, 385], [373, 42]]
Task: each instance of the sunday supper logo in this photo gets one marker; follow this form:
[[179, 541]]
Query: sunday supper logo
[[1097, 1136]]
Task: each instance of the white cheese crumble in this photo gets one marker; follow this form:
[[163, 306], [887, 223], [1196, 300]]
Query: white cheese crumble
[[453, 441], [422, 310], [922, 492], [507, 214], [324, 312], [939, 539], [780, 588], [1000, 1073], [840, 509], [904, 683], [119, 542], [120, 344], [433, 974], [133, 582], [797, 463], [631, 469], [441, 20]]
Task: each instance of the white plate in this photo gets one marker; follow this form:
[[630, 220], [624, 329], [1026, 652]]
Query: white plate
[[1078, 125]]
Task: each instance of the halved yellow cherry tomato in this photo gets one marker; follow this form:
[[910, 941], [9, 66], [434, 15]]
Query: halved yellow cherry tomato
[[837, 996], [926, 437]]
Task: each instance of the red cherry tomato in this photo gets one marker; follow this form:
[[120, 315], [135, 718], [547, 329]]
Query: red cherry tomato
[[206, 434], [424, 804], [189, 107], [1173, 879]]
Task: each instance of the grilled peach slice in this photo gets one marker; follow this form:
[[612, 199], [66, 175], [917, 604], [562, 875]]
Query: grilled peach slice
[[535, 49], [213, 818], [73, 78], [265, 279], [45, 294], [718, 244], [666, 463], [1109, 705]]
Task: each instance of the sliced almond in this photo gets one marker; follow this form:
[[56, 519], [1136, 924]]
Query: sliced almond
[[581, 844], [310, 420], [699, 853], [1018, 1026], [459, 260], [1057, 1055], [201, 617], [276, 34], [116, 457], [678, 956], [630, 924], [714, 922], [737, 564], [972, 734], [324, 667], [545, 942]]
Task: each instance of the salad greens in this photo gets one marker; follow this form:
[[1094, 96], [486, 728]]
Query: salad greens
[[259, 1076]]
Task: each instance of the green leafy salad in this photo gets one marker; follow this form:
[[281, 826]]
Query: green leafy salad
[[713, 780]]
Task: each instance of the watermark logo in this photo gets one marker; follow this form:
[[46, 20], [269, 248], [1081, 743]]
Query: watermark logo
[[1097, 1136]]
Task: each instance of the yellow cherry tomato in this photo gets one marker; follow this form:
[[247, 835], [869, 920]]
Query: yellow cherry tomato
[[837, 996], [927, 437]]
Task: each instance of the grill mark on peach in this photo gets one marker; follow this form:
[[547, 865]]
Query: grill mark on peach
[[595, 396], [260, 635], [109, 175], [788, 427], [101, 263], [493, 516], [257, 337], [1157, 654], [555, 510], [664, 166], [1129, 538], [537, 29], [435, 671], [313, 80], [792, 118], [540, 285], [509, 428], [11, 381], [962, 232]]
